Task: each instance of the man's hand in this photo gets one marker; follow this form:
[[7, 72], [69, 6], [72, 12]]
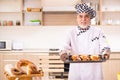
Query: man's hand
[[106, 56], [63, 55]]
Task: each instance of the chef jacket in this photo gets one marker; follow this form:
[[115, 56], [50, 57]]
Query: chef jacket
[[90, 40]]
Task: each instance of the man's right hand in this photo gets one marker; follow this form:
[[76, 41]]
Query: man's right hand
[[63, 55]]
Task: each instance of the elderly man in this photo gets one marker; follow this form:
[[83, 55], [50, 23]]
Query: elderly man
[[88, 40]]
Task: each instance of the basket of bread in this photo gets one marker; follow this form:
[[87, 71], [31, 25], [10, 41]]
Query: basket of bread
[[23, 69], [85, 58]]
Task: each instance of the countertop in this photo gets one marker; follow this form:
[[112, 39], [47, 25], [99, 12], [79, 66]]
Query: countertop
[[32, 50]]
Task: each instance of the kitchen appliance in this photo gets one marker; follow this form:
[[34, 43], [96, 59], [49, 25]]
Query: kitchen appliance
[[5, 45], [17, 45]]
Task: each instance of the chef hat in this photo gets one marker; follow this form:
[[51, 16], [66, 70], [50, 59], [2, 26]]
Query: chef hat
[[80, 8]]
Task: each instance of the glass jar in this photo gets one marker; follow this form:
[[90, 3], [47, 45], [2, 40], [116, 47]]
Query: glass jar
[[17, 23], [4, 23], [10, 23]]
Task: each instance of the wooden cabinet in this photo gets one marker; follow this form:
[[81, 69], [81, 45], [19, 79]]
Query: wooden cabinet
[[13, 57], [110, 12], [53, 66], [111, 67], [60, 13], [1, 59], [107, 13], [16, 12], [49, 62], [32, 12], [10, 11]]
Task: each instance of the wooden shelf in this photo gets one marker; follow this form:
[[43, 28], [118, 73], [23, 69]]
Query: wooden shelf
[[61, 13], [59, 9]]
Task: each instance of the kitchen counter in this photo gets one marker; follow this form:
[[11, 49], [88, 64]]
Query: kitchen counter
[[44, 51], [33, 50], [41, 51]]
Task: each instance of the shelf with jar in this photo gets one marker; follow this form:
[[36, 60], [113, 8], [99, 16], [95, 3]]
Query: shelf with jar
[[10, 18], [20, 12], [107, 13], [10, 13], [110, 12], [32, 13], [110, 18], [32, 17], [43, 12]]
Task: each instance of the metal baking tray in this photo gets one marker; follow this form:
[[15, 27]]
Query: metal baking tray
[[78, 61], [69, 60]]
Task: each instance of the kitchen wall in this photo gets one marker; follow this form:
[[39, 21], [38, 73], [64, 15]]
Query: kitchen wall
[[48, 3], [35, 37]]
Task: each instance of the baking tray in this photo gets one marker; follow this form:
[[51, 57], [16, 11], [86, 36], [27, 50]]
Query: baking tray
[[78, 61], [69, 60]]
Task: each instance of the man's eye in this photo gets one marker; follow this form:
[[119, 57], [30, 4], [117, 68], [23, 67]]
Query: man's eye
[[87, 16]]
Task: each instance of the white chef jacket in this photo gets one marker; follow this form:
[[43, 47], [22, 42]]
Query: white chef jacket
[[90, 41]]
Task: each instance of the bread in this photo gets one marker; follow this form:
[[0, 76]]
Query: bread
[[11, 70], [31, 67], [74, 57], [84, 57], [95, 57]]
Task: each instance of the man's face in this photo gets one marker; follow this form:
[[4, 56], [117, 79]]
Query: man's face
[[83, 19]]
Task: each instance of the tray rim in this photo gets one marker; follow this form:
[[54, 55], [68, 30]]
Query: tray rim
[[78, 61]]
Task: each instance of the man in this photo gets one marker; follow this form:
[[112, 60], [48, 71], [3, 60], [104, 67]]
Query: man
[[88, 40]]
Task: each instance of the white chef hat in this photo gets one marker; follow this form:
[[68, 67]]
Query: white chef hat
[[80, 8]]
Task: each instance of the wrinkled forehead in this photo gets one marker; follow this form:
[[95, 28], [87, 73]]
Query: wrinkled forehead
[[83, 14]]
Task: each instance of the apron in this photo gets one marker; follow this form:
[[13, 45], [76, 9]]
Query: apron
[[89, 41]]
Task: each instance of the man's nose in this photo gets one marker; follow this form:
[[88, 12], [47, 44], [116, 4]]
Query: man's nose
[[83, 18]]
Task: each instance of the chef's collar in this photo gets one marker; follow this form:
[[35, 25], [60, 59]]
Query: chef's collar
[[82, 30]]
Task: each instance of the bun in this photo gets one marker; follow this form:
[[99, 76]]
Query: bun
[[31, 68], [84, 57], [95, 57], [74, 57]]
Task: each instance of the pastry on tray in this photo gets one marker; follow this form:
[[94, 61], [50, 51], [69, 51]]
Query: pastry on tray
[[85, 58]]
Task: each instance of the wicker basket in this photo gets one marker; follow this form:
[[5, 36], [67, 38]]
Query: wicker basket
[[23, 77]]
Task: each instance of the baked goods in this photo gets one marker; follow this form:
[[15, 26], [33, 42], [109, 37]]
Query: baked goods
[[74, 57], [86, 58], [95, 57], [22, 67], [11, 70], [30, 67], [80, 57]]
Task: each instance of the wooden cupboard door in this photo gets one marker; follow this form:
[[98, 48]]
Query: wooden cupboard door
[[111, 67], [1, 58], [9, 58]]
